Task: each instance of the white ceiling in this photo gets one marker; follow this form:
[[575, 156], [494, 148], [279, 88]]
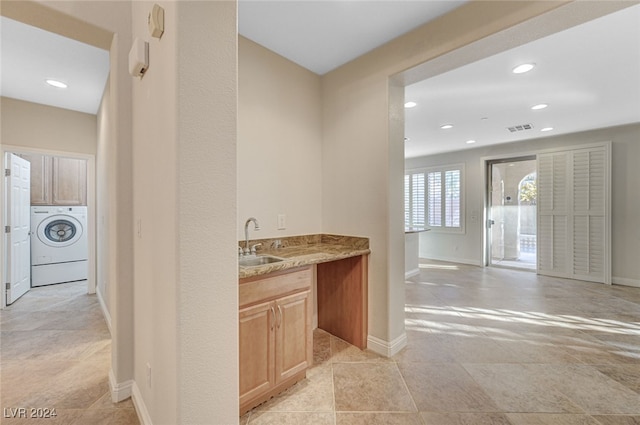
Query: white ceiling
[[30, 55], [323, 35], [588, 75]]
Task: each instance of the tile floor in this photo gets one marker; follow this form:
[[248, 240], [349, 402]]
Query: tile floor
[[55, 353], [485, 346]]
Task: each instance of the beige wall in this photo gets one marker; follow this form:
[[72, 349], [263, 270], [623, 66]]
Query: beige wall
[[625, 203], [279, 144], [363, 144], [184, 131], [103, 285], [44, 127]]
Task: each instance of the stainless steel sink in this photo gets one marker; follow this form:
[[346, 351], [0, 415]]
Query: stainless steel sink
[[260, 260]]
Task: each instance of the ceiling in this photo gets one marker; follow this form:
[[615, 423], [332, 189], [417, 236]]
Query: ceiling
[[323, 35], [30, 55], [588, 75]]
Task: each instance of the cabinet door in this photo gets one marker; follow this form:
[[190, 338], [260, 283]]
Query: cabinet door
[[256, 350], [40, 178], [293, 335], [69, 181]]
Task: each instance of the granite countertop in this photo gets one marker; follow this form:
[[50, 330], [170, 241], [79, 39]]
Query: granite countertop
[[299, 251]]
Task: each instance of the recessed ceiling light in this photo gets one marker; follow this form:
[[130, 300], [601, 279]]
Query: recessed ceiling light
[[525, 67], [546, 129], [446, 126], [539, 106], [56, 83], [469, 142], [410, 104]]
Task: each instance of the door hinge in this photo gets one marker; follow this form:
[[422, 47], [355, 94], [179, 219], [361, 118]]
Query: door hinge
[[7, 172], [7, 285], [7, 229]]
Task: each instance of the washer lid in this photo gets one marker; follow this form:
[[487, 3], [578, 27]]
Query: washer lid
[[59, 231]]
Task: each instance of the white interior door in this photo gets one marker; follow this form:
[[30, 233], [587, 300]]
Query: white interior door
[[18, 226]]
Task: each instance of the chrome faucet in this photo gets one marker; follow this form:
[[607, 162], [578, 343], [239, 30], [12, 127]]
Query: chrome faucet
[[247, 251]]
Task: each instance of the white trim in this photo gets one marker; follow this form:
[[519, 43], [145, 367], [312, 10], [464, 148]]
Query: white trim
[[384, 348], [105, 311], [411, 273], [141, 408], [119, 391], [625, 281]]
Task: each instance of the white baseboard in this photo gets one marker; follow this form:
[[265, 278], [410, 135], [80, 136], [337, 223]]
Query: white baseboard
[[141, 408], [384, 348], [411, 273], [119, 391], [454, 260], [105, 311], [625, 281]]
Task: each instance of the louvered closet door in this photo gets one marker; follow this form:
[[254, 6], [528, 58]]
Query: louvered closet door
[[573, 230]]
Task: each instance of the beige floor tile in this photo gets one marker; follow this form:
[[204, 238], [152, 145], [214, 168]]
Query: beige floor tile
[[343, 352], [108, 417], [618, 420], [321, 347], [370, 387], [464, 419], [445, 387], [292, 418], [521, 388], [550, 419], [378, 418], [591, 390], [627, 375], [313, 394]]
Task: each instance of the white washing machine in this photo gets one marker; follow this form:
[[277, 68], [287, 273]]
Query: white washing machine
[[59, 248]]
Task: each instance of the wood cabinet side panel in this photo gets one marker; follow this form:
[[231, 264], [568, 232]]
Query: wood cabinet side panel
[[342, 293]]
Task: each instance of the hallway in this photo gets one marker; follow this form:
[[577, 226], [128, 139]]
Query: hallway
[[485, 346], [55, 354]]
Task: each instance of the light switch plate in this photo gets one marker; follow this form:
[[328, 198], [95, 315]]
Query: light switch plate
[[282, 224]]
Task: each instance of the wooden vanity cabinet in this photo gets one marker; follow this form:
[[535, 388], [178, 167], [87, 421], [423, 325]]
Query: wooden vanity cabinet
[[276, 340]]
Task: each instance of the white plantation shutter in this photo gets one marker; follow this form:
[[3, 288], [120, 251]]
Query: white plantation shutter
[[452, 198], [573, 234], [552, 213], [589, 206], [418, 200], [433, 198]]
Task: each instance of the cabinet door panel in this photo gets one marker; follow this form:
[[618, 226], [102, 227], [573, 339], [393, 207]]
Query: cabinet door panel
[[256, 350], [40, 178], [293, 329], [69, 181]]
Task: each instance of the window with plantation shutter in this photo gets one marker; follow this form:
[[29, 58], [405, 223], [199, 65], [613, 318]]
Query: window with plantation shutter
[[433, 198], [573, 211]]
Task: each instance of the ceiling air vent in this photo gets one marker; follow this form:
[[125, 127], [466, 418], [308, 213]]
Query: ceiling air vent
[[521, 127]]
